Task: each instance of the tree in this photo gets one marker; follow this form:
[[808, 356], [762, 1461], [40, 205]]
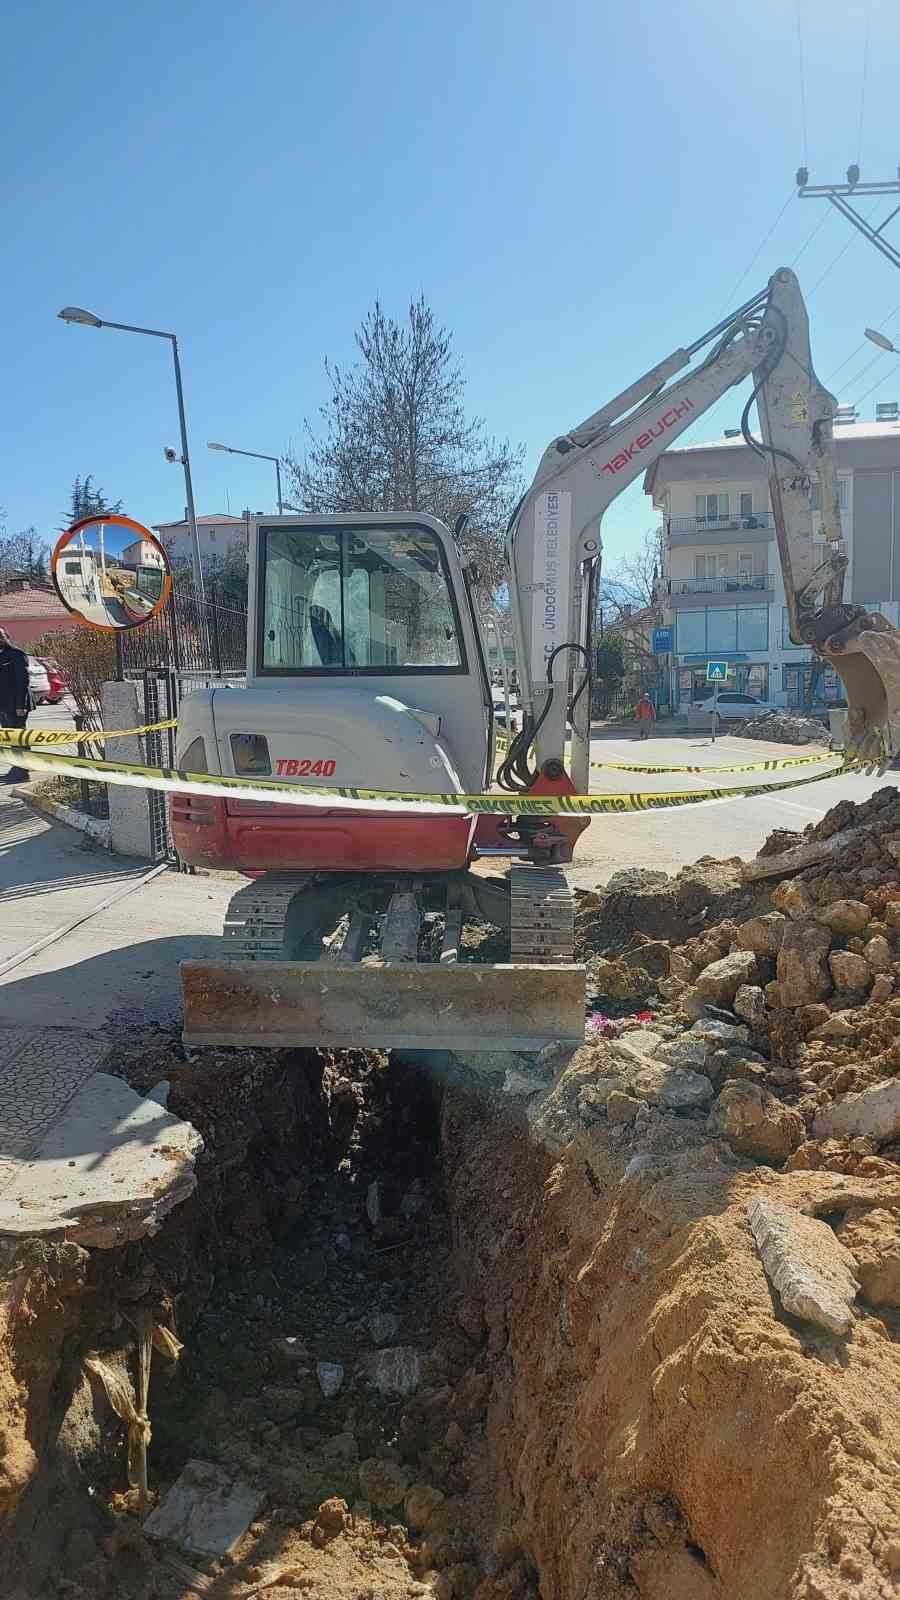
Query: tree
[[23, 554], [86, 501], [394, 436], [632, 581]]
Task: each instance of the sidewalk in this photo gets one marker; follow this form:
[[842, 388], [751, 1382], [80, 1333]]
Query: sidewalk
[[89, 946]]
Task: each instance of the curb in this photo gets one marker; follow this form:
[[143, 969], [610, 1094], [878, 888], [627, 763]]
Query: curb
[[92, 826]]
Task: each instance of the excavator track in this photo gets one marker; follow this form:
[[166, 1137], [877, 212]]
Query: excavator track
[[255, 920], [542, 915]]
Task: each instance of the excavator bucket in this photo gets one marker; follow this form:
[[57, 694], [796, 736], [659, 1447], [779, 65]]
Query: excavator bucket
[[866, 655]]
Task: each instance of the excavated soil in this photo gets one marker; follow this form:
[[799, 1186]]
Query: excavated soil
[[609, 1396]]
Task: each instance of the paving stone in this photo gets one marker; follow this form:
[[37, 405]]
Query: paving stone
[[207, 1510]]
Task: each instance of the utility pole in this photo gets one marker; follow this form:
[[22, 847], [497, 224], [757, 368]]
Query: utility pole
[[840, 196]]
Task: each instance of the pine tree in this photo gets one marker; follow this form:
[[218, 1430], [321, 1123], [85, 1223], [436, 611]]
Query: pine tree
[[86, 501]]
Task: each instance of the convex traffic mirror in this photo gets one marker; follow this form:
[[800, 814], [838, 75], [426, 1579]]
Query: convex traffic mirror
[[111, 572]]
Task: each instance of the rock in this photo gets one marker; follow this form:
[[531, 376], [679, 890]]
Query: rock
[[519, 1085], [613, 980], [652, 955], [383, 1483], [840, 1025], [712, 1030], [813, 1016], [745, 1065], [849, 972], [750, 1003], [879, 954], [631, 880], [810, 1271], [330, 1375], [681, 968], [686, 1052], [803, 974], [705, 953], [845, 916], [783, 727], [882, 989], [755, 1123], [333, 1517], [762, 935], [420, 1504], [794, 898], [343, 1242], [872, 1235], [373, 1203], [874, 1111], [720, 981], [622, 1108], [670, 1087], [397, 1371], [207, 1510], [490, 1063], [383, 1326], [891, 914]]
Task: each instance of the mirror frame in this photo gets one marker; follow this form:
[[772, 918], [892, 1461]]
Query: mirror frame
[[63, 543]]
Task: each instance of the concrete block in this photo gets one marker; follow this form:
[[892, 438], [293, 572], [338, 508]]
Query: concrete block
[[874, 1112], [206, 1511], [397, 1371], [808, 1268], [129, 813]]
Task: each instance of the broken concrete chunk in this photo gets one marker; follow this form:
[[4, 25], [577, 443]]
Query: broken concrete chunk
[[762, 935], [714, 1032], [755, 1123], [686, 1052], [878, 953], [331, 1376], [383, 1326], [810, 1271], [670, 1087], [849, 971], [873, 1111], [207, 1510], [750, 1003], [845, 916], [396, 1371], [720, 982], [802, 969]]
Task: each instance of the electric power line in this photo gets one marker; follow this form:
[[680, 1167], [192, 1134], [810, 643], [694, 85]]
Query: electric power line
[[882, 323], [759, 250], [812, 234], [802, 86], [862, 90], [834, 261], [876, 385], [878, 356]]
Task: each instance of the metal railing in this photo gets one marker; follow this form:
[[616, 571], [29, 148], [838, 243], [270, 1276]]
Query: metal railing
[[206, 638], [748, 521], [759, 582]]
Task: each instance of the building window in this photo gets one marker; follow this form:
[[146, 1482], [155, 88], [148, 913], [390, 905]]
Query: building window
[[712, 508], [841, 494], [753, 628], [690, 632], [746, 503], [721, 631]]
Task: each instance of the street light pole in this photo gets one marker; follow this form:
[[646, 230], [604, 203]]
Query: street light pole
[[256, 455], [89, 320]]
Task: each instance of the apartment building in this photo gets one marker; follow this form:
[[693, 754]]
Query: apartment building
[[722, 591], [217, 533]]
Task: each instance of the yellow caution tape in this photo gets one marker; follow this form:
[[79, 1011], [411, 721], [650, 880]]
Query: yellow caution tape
[[774, 764], [30, 738], [173, 780]]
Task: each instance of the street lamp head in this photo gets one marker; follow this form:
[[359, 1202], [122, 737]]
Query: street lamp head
[[75, 314], [211, 446], [879, 339]]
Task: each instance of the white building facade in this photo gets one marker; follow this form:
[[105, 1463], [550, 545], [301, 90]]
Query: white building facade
[[722, 591], [217, 534]]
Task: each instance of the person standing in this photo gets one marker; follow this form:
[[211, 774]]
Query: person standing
[[15, 699], [645, 714]]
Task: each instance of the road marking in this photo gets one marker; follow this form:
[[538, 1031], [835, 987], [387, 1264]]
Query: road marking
[[813, 811]]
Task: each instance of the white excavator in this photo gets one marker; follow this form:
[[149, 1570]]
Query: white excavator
[[366, 668]]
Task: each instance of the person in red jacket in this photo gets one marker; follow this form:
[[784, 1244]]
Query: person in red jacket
[[645, 714]]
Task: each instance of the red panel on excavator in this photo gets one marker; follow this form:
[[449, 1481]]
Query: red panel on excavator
[[250, 836]]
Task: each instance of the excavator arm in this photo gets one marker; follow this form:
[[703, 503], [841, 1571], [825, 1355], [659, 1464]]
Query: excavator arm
[[554, 540]]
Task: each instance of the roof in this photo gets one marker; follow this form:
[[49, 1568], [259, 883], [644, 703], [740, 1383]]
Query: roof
[[31, 603], [218, 516], [845, 433]]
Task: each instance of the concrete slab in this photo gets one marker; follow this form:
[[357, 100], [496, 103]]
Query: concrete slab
[[106, 1170], [207, 1510]]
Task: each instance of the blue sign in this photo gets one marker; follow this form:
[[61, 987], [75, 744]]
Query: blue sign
[[717, 671], [662, 641]]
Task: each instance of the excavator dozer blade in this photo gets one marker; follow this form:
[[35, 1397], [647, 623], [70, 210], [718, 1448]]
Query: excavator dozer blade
[[866, 655], [408, 1005]]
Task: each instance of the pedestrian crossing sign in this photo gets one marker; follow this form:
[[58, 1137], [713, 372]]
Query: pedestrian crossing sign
[[717, 671]]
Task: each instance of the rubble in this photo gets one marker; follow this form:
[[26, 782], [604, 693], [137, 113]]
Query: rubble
[[810, 1271], [874, 1111], [756, 1123], [783, 727]]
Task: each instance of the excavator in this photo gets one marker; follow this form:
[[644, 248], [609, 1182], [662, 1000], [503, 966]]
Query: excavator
[[366, 668]]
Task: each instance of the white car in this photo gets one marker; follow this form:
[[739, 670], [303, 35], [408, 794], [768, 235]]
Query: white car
[[38, 681], [499, 704], [733, 706]]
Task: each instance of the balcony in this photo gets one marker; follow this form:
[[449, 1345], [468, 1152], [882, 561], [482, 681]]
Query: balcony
[[717, 591], [726, 530]]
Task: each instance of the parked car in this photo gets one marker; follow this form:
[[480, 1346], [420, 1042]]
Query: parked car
[[38, 681], [733, 706], [499, 704], [58, 684]]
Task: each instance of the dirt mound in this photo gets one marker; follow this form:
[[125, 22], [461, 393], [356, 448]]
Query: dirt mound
[[783, 727], [657, 906]]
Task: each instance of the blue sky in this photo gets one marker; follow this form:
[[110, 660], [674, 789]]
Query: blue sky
[[577, 190]]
